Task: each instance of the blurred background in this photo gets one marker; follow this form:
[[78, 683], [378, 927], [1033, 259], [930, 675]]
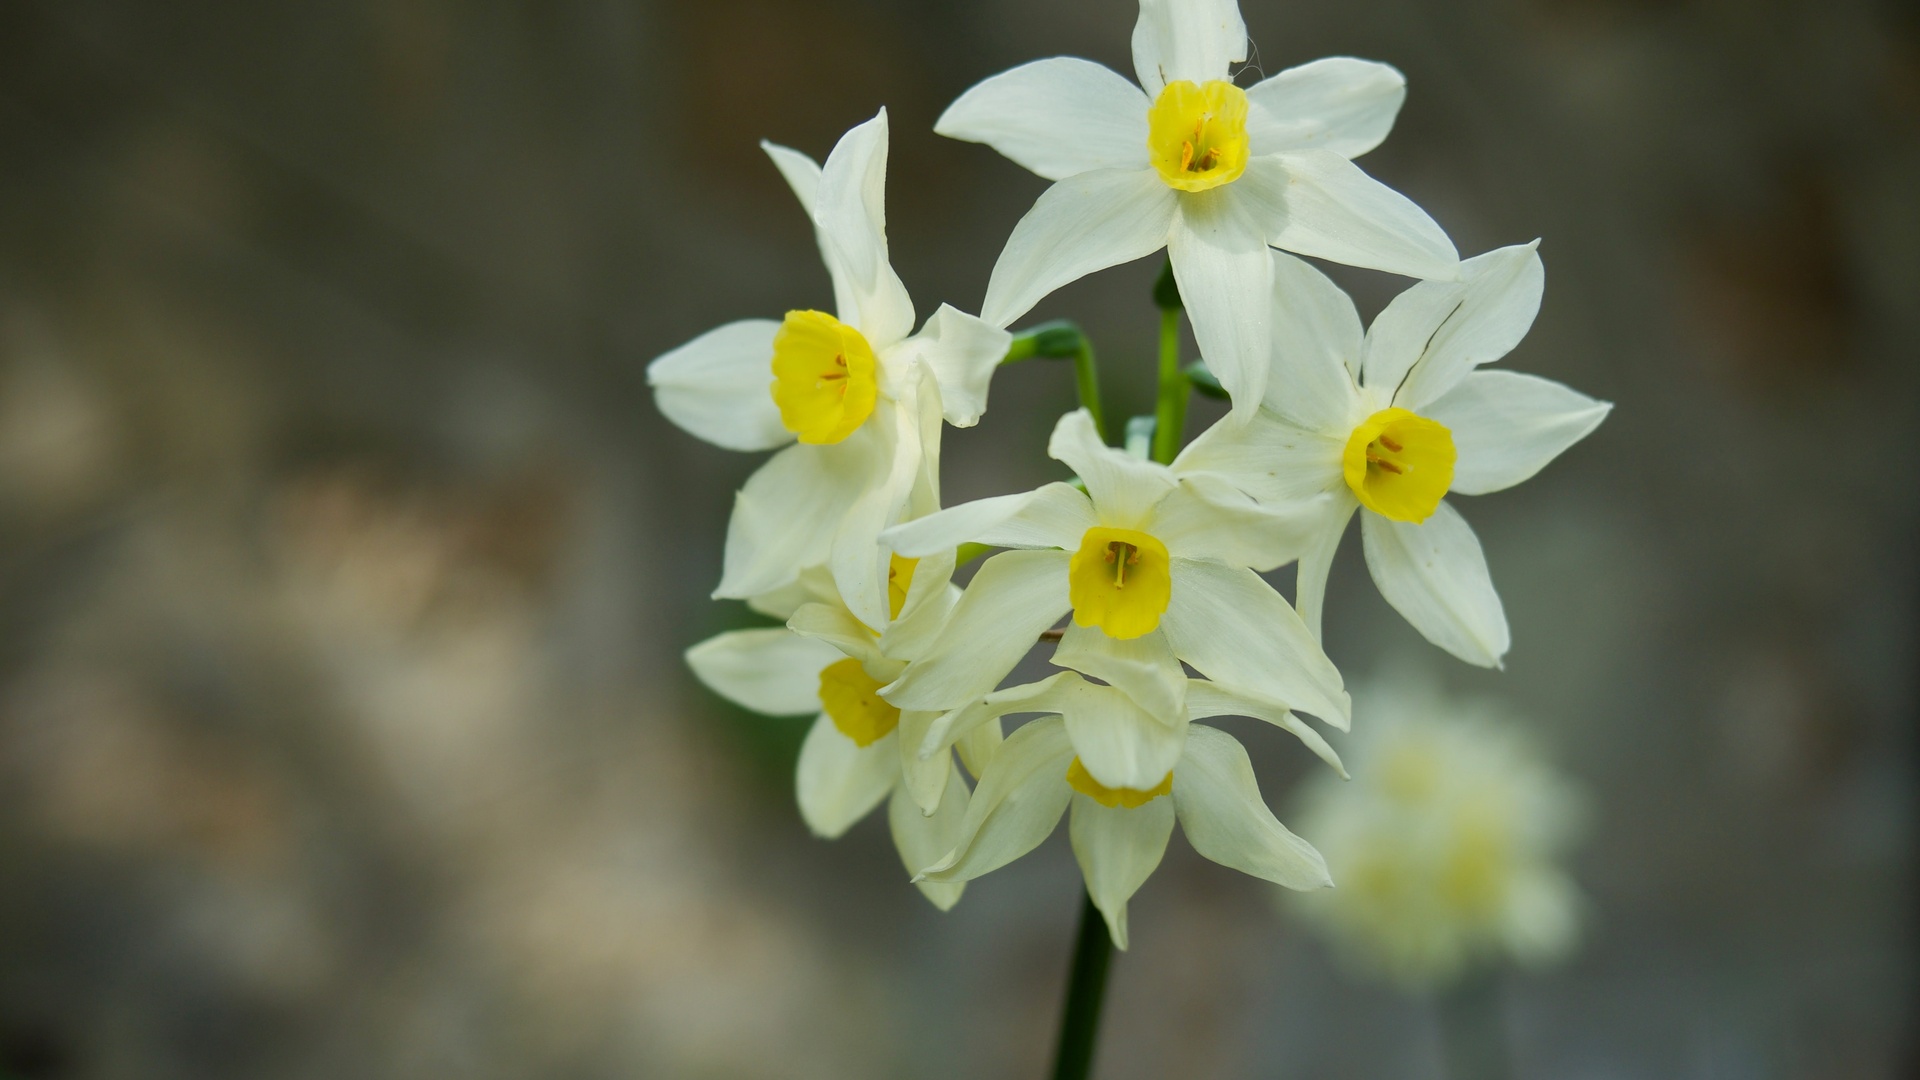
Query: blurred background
[[345, 563]]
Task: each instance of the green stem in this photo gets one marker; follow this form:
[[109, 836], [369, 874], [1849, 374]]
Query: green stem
[[1170, 412], [1086, 990]]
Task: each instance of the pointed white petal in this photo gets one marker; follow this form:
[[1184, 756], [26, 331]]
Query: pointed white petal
[[1337, 103], [1144, 667], [801, 173], [930, 600], [833, 625], [1316, 562], [1433, 334], [1276, 461], [1506, 426], [924, 838], [715, 387], [1053, 516], [858, 558], [1119, 743], [1020, 799], [1317, 203], [837, 781], [1317, 346], [1057, 117], [1435, 575], [1118, 849], [924, 779], [773, 671], [1221, 262], [1051, 694], [1015, 596], [1195, 40], [1221, 811], [1206, 699], [852, 218], [815, 583], [978, 746], [1123, 487], [962, 352], [785, 518], [1235, 629], [1208, 517], [1084, 223]]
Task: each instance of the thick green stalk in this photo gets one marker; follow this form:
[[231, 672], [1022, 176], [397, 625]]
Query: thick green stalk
[[1086, 990], [1170, 411]]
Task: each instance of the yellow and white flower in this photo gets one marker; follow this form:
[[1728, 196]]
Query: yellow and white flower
[[861, 395], [1393, 420], [1154, 570], [1120, 831], [861, 749], [1448, 843], [1190, 162]]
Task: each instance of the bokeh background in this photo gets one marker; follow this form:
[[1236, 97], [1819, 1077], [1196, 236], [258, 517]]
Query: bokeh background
[[345, 563]]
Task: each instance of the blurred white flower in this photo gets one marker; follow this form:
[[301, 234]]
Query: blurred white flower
[[1154, 573], [1447, 843], [861, 749], [1393, 420], [862, 397], [1189, 162]]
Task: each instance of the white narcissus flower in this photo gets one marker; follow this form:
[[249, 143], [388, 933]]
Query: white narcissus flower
[[1119, 832], [1448, 844], [862, 397], [1154, 570], [1192, 163], [861, 749], [1394, 420]]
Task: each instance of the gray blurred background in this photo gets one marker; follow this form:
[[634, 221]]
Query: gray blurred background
[[345, 563]]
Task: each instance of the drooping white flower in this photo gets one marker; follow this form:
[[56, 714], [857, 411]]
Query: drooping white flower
[[1120, 831], [1447, 843], [862, 397], [1395, 419], [1155, 570], [860, 749], [1190, 162]]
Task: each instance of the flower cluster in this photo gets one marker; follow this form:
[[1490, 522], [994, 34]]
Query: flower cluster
[[1154, 562]]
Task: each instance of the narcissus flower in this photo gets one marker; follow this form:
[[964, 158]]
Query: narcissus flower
[[1447, 845], [1155, 570], [861, 748], [1394, 420], [1120, 831], [862, 398], [1190, 162]]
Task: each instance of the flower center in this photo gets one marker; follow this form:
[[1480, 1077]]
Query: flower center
[[1119, 581], [899, 582], [852, 699], [823, 377], [1082, 781], [1399, 464], [1197, 134]]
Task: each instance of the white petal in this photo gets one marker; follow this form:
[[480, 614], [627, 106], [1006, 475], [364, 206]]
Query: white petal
[[852, 218], [785, 518], [858, 558], [1317, 346], [716, 386], [1015, 596], [1053, 516], [1143, 667], [978, 746], [1057, 117], [1208, 517], [1020, 799], [1506, 426], [834, 626], [1123, 487], [1435, 575], [1084, 223], [801, 173], [1195, 40], [930, 600], [1119, 743], [1318, 203], [815, 583], [1118, 849], [1221, 811], [1051, 694], [1276, 461], [1221, 262], [1433, 334], [1337, 103], [838, 781], [1236, 630], [923, 838], [962, 352], [924, 779], [1206, 699], [1316, 562], [773, 671]]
